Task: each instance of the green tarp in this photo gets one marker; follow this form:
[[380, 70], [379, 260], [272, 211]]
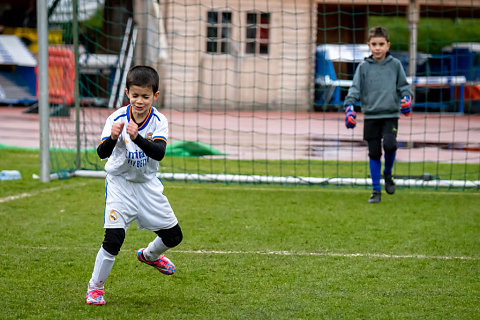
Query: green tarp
[[183, 148]]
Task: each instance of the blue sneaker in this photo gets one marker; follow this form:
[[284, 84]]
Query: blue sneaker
[[162, 264], [95, 297]]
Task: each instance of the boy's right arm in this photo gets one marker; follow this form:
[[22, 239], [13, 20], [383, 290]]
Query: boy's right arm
[[105, 149]]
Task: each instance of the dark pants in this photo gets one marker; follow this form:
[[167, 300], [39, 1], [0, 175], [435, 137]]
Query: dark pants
[[376, 130]]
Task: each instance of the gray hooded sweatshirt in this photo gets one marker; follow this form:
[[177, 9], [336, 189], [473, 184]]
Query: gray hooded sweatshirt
[[379, 86]]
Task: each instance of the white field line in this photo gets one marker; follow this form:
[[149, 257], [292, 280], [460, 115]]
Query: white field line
[[15, 197], [331, 254], [26, 194], [32, 194], [276, 253]]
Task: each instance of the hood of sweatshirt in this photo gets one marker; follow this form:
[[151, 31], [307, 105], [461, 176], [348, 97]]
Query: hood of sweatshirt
[[388, 58]]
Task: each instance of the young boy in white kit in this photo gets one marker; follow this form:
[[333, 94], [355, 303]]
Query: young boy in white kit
[[134, 140]]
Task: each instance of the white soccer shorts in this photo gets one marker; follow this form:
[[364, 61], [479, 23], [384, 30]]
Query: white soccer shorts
[[142, 202]]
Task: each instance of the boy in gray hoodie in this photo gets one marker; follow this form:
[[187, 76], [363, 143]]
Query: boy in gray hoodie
[[381, 87]]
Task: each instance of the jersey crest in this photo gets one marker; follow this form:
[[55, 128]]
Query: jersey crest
[[113, 216]]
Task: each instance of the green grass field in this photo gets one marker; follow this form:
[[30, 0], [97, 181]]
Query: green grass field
[[249, 252]]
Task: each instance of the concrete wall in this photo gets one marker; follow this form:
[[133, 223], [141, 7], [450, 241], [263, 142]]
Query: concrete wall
[[283, 78]]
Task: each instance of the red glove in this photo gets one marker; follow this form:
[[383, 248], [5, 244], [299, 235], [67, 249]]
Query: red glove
[[350, 117], [406, 105]]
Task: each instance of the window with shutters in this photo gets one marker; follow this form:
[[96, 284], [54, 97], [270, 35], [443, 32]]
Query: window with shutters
[[258, 33], [219, 32]]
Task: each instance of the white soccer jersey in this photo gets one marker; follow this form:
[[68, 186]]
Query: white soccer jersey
[[127, 159]]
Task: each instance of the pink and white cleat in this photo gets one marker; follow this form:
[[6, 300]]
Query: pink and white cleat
[[95, 297], [162, 264]]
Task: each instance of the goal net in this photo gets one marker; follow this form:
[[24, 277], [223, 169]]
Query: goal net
[[254, 90]]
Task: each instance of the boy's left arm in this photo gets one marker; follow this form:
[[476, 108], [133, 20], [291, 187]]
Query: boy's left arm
[[404, 90], [155, 150]]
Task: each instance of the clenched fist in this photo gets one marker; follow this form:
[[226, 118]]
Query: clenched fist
[[117, 129], [132, 130]]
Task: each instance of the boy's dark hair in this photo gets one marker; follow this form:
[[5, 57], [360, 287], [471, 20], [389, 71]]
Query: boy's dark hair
[[143, 76], [376, 32]]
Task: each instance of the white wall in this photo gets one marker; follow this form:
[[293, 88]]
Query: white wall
[[283, 79]]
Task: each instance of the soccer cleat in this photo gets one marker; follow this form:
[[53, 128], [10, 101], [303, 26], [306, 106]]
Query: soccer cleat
[[376, 197], [162, 264], [389, 184], [95, 297]]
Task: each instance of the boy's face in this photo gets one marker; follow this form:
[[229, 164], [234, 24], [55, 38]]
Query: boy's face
[[379, 47], [141, 99]]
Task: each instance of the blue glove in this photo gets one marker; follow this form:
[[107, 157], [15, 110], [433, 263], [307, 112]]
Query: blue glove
[[406, 105], [350, 117]]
